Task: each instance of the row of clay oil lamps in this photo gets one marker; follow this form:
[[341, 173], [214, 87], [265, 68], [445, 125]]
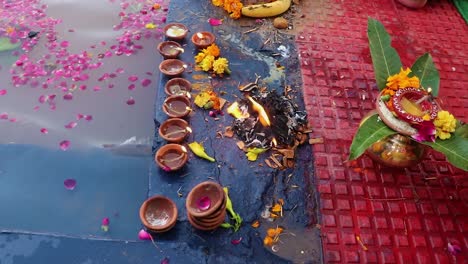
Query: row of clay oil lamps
[[205, 205], [173, 156], [206, 202]]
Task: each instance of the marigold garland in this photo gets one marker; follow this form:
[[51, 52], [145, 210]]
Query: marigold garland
[[233, 7]]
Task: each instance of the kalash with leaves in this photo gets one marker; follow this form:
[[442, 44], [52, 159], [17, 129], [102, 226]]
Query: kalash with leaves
[[407, 107]]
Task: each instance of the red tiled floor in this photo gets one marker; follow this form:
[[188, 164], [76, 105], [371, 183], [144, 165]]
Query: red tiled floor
[[399, 216]]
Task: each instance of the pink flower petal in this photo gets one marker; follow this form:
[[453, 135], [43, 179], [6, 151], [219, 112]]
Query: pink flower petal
[[64, 44], [143, 235], [64, 145], [131, 87], [71, 125], [426, 132], [44, 131], [68, 96], [165, 260], [236, 241], [145, 82], [4, 116], [79, 116], [215, 22], [131, 101], [204, 203], [3, 92], [69, 184], [88, 117], [454, 248], [13, 120], [105, 221], [133, 78], [96, 88]]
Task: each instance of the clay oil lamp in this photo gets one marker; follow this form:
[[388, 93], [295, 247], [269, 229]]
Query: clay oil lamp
[[203, 39], [158, 214], [205, 199], [177, 106], [171, 157], [175, 31], [174, 130], [178, 86], [411, 106], [172, 67], [170, 49]]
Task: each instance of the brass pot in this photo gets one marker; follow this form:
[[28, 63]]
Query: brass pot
[[397, 151]]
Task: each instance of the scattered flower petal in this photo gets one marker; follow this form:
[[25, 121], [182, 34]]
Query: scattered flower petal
[[454, 248], [4, 116], [105, 224], [131, 87], [204, 203], [3, 92], [71, 125], [131, 101], [145, 82], [215, 22], [44, 131], [165, 260], [69, 184], [143, 235], [236, 241], [88, 117], [167, 168], [256, 224], [64, 145], [133, 78], [68, 96]]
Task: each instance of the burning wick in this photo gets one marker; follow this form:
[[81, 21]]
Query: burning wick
[[200, 35], [262, 115], [273, 142], [187, 129], [424, 98]]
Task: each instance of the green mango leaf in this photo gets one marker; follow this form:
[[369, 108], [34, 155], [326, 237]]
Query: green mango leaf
[[6, 45], [385, 58], [455, 148], [427, 73], [369, 132]]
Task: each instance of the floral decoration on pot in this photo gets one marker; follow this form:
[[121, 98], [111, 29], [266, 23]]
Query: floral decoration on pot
[[408, 105]]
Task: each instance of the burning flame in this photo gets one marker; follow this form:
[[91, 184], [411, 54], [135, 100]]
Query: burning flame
[[184, 149], [262, 115], [200, 35], [188, 129], [274, 142]]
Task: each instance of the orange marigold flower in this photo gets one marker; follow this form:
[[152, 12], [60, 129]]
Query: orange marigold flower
[[273, 232], [217, 2], [213, 50], [402, 80], [255, 224], [268, 241], [276, 208]]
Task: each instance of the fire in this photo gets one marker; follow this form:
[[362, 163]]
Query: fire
[[188, 129], [274, 142], [262, 115]]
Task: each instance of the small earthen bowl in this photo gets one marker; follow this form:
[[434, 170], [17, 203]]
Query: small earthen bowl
[[210, 221], [178, 86], [169, 49], [209, 189], [171, 157], [158, 214], [172, 67], [203, 39], [175, 31], [177, 106], [204, 227], [174, 130]]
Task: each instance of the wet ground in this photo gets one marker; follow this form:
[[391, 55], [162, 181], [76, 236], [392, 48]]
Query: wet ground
[[64, 226]]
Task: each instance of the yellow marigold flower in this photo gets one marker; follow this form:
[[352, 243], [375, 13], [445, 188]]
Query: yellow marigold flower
[[220, 66], [150, 26], [445, 123], [207, 63], [401, 80], [268, 241], [213, 50], [217, 2], [200, 56]]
